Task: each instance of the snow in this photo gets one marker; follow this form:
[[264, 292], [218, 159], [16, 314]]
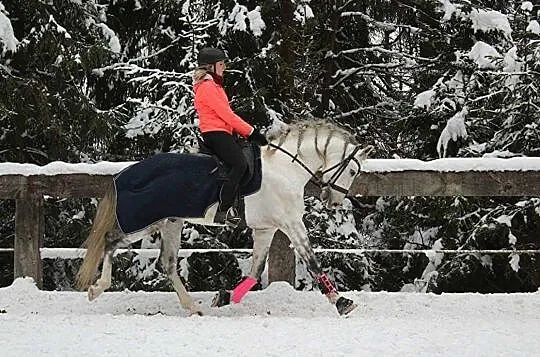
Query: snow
[[454, 129], [303, 12], [59, 167], [425, 99], [256, 23], [7, 37], [277, 321], [482, 20], [343, 222], [527, 6], [370, 165], [59, 28], [114, 41], [512, 63], [484, 55], [514, 262], [534, 27], [449, 9], [238, 17], [490, 20], [453, 164]]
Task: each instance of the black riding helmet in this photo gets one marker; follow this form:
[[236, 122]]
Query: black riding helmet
[[210, 55]]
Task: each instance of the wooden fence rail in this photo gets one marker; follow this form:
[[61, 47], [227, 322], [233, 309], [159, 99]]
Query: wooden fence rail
[[29, 187]]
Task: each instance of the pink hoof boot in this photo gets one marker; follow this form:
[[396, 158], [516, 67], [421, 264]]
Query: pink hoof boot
[[242, 289]]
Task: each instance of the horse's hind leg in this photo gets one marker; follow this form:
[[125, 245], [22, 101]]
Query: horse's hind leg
[[113, 240], [104, 282], [297, 233], [170, 243]]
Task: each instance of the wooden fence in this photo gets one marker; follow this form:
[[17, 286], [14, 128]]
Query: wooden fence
[[28, 189]]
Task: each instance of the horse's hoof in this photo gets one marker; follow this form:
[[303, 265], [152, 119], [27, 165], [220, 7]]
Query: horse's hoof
[[93, 293], [345, 306], [196, 313], [222, 298]]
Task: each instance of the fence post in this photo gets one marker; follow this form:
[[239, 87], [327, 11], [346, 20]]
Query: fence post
[[29, 231], [281, 260]]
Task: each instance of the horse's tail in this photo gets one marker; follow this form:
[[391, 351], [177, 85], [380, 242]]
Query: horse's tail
[[95, 243]]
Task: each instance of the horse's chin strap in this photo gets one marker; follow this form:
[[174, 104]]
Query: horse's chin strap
[[340, 166]]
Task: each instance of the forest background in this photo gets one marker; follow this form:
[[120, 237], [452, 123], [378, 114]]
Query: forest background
[[86, 81]]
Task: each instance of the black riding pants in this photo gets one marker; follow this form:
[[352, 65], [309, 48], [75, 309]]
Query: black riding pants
[[226, 148]]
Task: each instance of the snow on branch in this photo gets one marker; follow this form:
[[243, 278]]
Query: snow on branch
[[302, 13], [386, 52], [386, 26], [482, 20], [484, 55], [7, 37], [238, 17], [454, 129]]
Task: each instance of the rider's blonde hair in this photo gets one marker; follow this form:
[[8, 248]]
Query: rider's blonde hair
[[201, 72]]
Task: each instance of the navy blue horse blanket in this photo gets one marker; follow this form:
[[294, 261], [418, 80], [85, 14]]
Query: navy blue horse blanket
[[172, 185]]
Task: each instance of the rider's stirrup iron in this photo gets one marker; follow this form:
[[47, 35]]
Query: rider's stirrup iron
[[229, 217]]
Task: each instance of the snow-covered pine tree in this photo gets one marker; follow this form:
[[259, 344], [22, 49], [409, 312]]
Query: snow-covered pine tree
[[472, 93], [46, 102]]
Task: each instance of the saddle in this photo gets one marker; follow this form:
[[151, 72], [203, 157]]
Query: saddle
[[251, 153]]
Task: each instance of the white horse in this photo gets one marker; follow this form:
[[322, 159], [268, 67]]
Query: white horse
[[288, 163]]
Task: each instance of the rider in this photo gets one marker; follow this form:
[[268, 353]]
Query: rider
[[217, 123]]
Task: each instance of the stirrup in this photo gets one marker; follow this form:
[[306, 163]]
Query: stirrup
[[230, 217]]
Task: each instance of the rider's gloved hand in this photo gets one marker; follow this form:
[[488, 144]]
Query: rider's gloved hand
[[258, 138]]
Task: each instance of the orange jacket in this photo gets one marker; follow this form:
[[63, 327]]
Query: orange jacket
[[214, 112]]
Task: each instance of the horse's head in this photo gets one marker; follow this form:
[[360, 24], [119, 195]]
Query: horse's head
[[330, 154], [340, 174]]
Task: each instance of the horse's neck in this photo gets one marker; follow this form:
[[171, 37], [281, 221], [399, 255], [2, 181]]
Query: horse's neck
[[308, 154]]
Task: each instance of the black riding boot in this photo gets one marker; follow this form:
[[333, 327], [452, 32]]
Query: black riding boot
[[227, 212], [229, 151]]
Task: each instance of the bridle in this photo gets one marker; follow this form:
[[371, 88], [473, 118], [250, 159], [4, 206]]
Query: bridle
[[317, 179]]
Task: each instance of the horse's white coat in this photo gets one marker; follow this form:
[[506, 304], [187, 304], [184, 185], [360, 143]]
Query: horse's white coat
[[279, 204]]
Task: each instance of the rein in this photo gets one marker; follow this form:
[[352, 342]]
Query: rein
[[340, 166]]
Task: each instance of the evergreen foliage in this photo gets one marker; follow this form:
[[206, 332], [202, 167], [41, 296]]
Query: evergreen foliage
[[83, 81]]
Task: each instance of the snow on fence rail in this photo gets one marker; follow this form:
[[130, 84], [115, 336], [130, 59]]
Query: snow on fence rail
[[27, 184]]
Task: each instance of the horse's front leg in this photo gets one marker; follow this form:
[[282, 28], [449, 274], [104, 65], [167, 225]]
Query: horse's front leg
[[262, 238], [297, 233]]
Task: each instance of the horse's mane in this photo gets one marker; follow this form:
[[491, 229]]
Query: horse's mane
[[322, 129]]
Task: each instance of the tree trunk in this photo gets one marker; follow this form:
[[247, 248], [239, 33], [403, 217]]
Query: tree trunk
[[286, 52], [329, 62]]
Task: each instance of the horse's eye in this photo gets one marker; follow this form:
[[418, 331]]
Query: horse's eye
[[352, 172]]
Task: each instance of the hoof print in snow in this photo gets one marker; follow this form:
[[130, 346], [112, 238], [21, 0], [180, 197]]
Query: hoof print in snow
[[154, 313]]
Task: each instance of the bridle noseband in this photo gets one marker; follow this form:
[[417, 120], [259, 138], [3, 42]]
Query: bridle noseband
[[339, 167]]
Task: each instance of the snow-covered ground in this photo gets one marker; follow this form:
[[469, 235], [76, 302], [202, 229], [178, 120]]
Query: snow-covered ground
[[277, 321]]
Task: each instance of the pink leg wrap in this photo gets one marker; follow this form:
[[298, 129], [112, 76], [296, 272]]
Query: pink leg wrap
[[326, 283], [242, 289]]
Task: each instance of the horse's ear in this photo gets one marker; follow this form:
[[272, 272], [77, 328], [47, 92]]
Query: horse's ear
[[364, 152]]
